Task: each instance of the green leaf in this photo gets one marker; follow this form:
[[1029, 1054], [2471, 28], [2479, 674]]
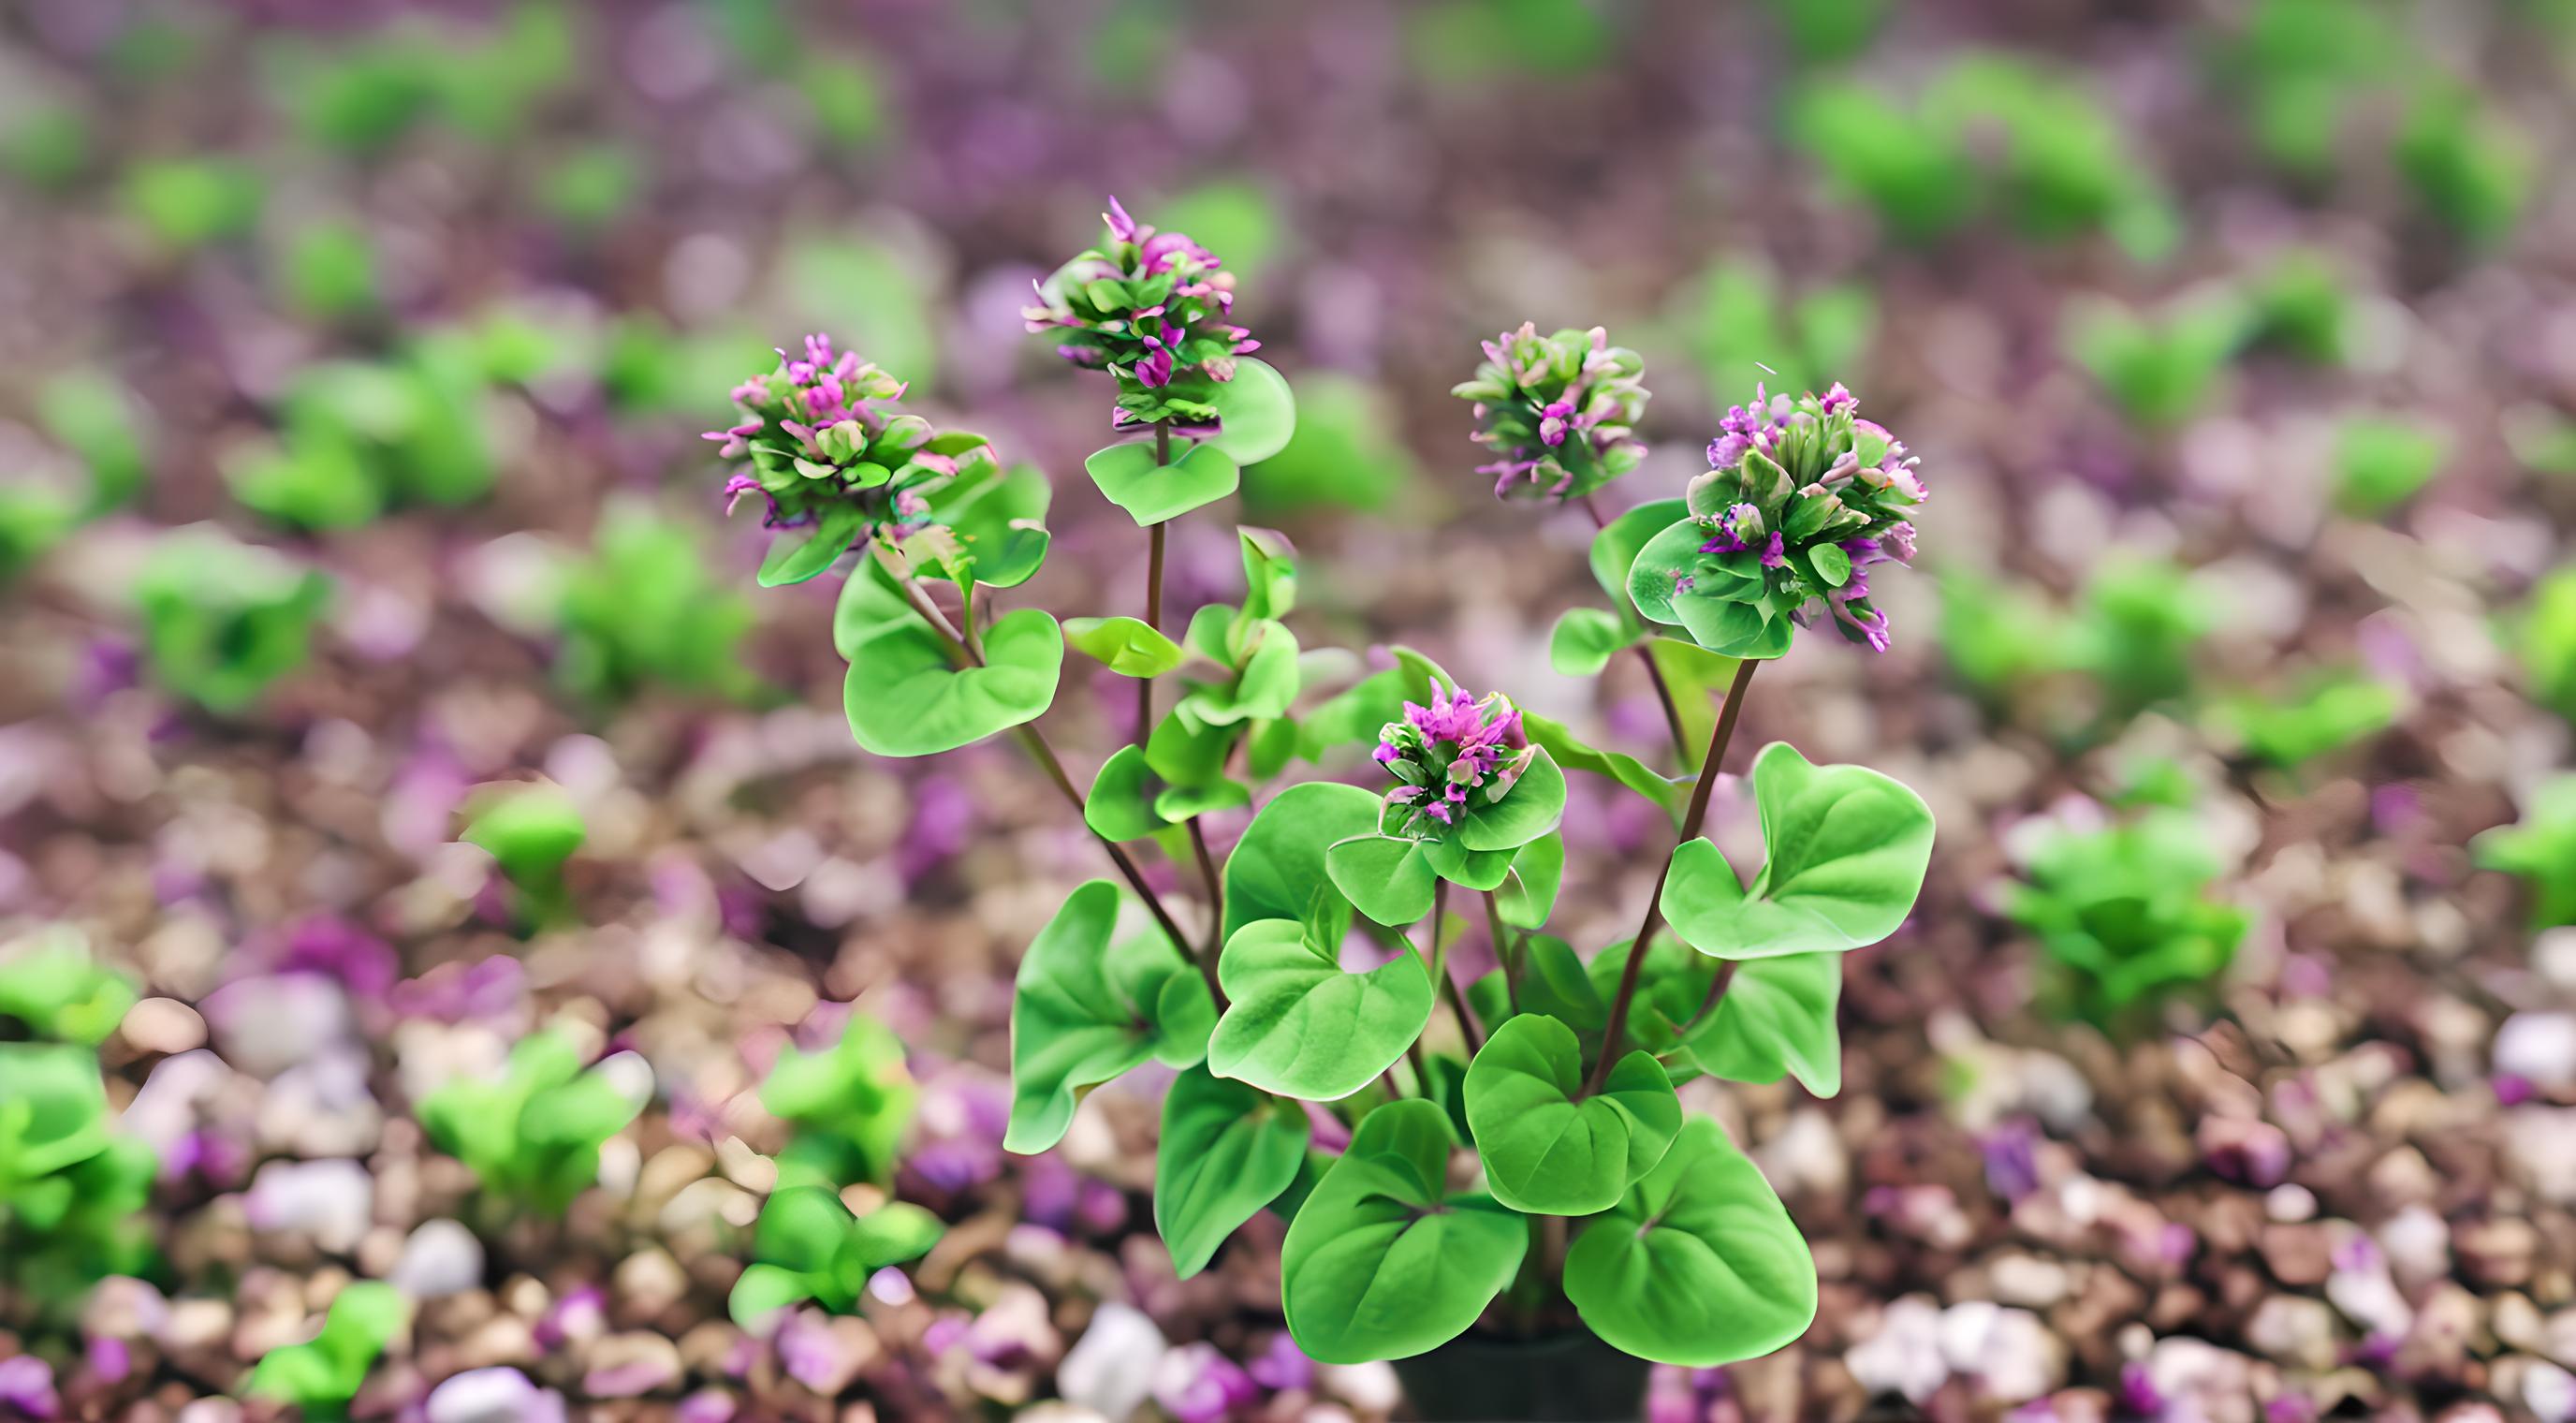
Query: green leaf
[[1266, 684], [1226, 1152], [999, 518], [1382, 1261], [529, 830], [1122, 800], [1698, 1264], [889, 1235], [1530, 809], [1615, 548], [801, 1228], [1386, 878], [1269, 574], [1478, 870], [1584, 640], [1127, 646], [1299, 1025], [1278, 869], [799, 554], [1776, 1019], [1152, 493], [1529, 896], [1256, 411], [1090, 1003], [1572, 753], [761, 1291], [904, 696], [1548, 1148], [1848, 848]]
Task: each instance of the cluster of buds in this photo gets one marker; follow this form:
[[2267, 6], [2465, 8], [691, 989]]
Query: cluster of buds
[[1558, 412], [1454, 756], [1803, 497], [810, 439], [1153, 309]]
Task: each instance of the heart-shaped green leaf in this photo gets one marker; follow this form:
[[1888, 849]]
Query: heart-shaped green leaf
[[1277, 870], [1615, 548], [1777, 1018], [1529, 895], [1256, 413], [1266, 678], [1090, 1003], [1549, 1149], [1722, 603], [999, 519], [1530, 809], [1479, 870], [1227, 1151], [1153, 493], [1384, 877], [1127, 646], [1301, 1026], [1584, 640], [796, 555], [1698, 1264], [1573, 754], [906, 698], [1848, 848], [1121, 804], [1382, 1261]]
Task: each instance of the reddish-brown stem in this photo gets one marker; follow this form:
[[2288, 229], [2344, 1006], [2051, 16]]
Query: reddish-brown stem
[[1215, 885], [1646, 659], [1692, 821], [1153, 588], [1049, 762]]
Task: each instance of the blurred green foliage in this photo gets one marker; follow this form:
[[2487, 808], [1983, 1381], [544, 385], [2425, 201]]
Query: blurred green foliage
[[2545, 636], [2326, 712], [1741, 324], [320, 1377], [1344, 454], [2159, 368], [185, 203], [2381, 461], [643, 609], [2125, 915], [223, 620], [2468, 166], [2300, 308], [534, 1134], [850, 1105], [55, 990], [2540, 848], [72, 1187]]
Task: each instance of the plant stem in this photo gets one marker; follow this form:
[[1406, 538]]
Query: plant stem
[[1646, 658], [1215, 885], [1692, 821], [1048, 761], [1153, 589]]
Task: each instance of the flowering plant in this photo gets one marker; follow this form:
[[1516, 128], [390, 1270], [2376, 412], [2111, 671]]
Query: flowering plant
[[1559, 1076]]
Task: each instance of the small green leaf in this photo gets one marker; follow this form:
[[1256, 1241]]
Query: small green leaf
[[1127, 646], [999, 518], [1584, 640], [1153, 493], [904, 695], [1548, 1148], [761, 1291], [1615, 548], [1698, 1264], [1479, 870], [1386, 878], [529, 830], [1227, 1151], [1529, 896], [796, 555], [1265, 684], [1278, 869], [1572, 753], [1256, 413], [1848, 848], [1530, 809], [1090, 1003], [1776, 1019], [1301, 1026], [1269, 574], [1382, 1261]]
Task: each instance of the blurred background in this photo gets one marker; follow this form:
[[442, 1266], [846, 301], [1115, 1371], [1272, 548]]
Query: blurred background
[[364, 582]]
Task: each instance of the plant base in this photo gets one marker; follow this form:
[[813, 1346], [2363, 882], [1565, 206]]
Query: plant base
[[1564, 1378]]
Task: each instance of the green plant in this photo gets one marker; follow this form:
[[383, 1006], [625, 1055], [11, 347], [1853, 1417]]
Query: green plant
[[2124, 913], [89, 413], [321, 1377], [59, 992], [1561, 1085], [2381, 461], [223, 621], [643, 609], [530, 830], [2326, 712], [2546, 641], [2468, 166], [2160, 369], [33, 518], [185, 203], [357, 437], [2539, 848], [2299, 66], [2136, 632], [809, 1248], [534, 1133], [72, 1188], [1744, 324], [2300, 307], [850, 1105]]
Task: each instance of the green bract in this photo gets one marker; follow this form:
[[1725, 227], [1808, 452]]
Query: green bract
[[535, 1132], [809, 1248], [1848, 848], [1383, 1260], [1091, 1002], [1698, 1264], [322, 1376]]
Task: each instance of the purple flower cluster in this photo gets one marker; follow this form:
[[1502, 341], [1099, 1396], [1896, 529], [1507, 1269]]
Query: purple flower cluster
[[1454, 756], [1802, 498], [1558, 412], [1155, 309], [812, 435]]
